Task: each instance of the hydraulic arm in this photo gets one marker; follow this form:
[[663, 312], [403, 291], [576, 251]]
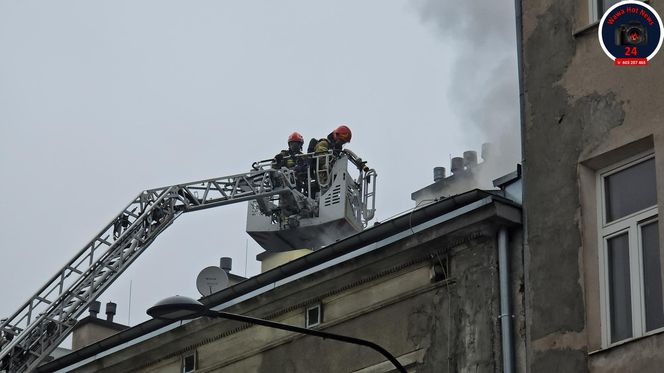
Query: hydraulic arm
[[44, 321], [29, 335]]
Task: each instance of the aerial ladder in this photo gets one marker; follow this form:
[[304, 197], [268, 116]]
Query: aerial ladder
[[279, 208]]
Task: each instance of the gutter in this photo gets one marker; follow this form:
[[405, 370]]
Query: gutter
[[377, 232]]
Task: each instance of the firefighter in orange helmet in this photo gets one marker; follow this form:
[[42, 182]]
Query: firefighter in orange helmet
[[290, 158]]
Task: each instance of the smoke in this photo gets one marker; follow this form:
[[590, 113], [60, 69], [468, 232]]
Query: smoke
[[481, 39]]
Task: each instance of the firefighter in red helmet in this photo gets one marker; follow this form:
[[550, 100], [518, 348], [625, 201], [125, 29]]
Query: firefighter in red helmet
[[334, 141], [286, 158]]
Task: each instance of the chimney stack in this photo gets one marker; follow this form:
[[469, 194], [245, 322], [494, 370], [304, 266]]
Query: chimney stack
[[92, 329], [94, 308], [111, 309]]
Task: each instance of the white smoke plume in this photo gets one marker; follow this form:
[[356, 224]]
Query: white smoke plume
[[481, 39]]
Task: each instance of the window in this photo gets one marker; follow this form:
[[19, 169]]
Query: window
[[631, 277], [189, 363], [314, 316], [598, 7]]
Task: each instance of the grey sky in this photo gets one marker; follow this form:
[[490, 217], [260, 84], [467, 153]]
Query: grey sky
[[100, 100]]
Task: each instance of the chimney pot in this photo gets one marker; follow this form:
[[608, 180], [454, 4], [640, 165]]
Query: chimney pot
[[470, 158], [486, 151], [111, 309], [457, 165], [94, 308], [226, 264], [438, 173]]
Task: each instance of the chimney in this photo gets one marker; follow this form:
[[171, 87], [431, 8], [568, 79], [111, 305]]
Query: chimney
[[92, 329], [486, 151], [438, 174], [94, 308], [470, 159], [271, 260], [226, 264], [111, 309], [457, 165]]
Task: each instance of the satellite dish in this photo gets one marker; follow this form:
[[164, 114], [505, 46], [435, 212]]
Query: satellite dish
[[211, 280]]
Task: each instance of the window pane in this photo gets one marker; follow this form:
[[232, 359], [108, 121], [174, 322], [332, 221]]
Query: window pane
[[313, 316], [630, 190], [606, 4], [619, 288], [189, 364], [652, 276]]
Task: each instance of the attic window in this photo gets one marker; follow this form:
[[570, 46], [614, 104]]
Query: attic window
[[189, 363], [314, 315]]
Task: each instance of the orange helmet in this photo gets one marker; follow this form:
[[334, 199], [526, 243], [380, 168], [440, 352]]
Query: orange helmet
[[342, 133], [295, 136]]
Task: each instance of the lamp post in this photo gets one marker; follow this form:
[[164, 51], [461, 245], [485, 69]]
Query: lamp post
[[178, 308]]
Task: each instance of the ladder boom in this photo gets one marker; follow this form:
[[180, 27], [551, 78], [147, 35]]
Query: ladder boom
[[44, 321]]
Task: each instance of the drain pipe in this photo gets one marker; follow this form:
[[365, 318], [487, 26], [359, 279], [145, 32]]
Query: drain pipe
[[505, 314]]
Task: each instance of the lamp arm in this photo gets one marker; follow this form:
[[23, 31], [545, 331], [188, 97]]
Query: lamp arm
[[317, 333]]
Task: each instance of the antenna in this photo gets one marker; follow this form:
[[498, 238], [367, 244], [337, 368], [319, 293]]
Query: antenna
[[246, 255], [129, 311], [211, 280]]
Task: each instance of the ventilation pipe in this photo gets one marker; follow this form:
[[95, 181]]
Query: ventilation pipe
[[111, 309], [486, 151], [457, 165], [94, 308], [470, 159], [438, 174], [226, 264]]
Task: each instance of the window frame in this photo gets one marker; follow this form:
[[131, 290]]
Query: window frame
[[629, 224], [194, 354], [307, 322], [594, 9]]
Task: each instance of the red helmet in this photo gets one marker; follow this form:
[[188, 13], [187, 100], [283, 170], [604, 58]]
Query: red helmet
[[295, 136], [342, 133]]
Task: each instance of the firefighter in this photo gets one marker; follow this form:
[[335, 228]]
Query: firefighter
[[120, 224], [289, 159], [295, 143], [334, 141]]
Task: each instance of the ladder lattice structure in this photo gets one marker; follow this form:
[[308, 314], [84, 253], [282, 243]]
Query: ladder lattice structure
[[44, 321]]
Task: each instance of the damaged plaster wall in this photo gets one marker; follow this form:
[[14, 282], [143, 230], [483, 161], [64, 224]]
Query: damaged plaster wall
[[577, 104], [454, 326]]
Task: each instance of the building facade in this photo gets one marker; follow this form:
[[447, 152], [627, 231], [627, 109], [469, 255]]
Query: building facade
[[593, 175], [425, 286]]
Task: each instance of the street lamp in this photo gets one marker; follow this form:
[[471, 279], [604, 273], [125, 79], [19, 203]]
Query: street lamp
[[178, 308]]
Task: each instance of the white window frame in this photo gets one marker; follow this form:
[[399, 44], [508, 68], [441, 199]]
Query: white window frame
[[627, 224], [307, 322], [593, 10], [184, 357]]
